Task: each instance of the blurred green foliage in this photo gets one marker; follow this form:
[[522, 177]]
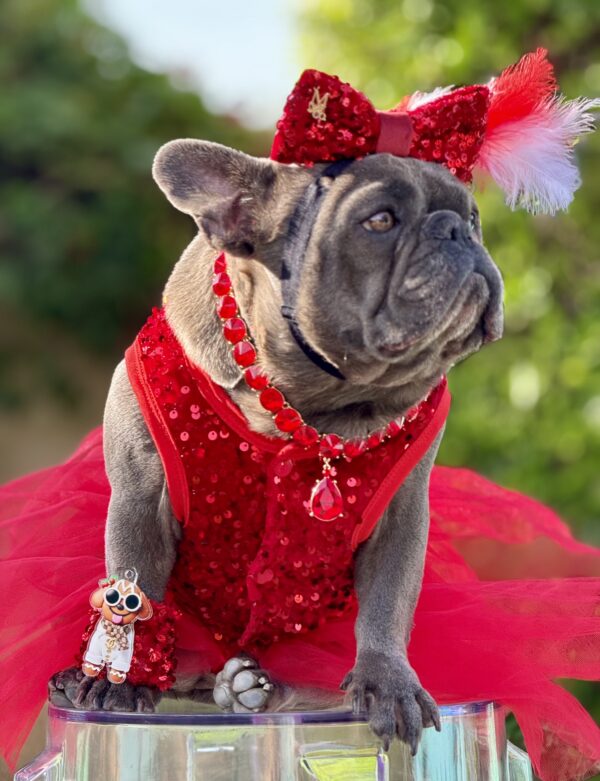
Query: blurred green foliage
[[86, 238], [526, 411]]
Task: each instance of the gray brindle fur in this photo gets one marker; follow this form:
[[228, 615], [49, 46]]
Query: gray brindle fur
[[393, 309]]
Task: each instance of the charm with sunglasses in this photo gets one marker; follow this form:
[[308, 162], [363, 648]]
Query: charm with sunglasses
[[121, 603]]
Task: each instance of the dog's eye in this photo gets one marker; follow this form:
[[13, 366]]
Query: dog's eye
[[473, 222], [380, 222]]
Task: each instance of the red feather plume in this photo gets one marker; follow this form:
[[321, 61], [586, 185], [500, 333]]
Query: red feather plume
[[520, 88], [530, 133]]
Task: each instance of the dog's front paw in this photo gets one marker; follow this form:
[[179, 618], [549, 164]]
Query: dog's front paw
[[72, 688], [388, 691], [64, 685], [242, 687]]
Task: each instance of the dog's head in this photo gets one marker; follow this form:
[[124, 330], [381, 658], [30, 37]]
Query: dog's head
[[122, 602], [392, 282]]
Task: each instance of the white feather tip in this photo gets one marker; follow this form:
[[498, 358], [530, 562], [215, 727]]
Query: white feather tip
[[532, 159]]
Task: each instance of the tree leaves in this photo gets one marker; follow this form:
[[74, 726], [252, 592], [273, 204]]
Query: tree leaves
[[86, 238]]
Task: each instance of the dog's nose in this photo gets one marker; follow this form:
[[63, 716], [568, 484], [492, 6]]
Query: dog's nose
[[445, 225]]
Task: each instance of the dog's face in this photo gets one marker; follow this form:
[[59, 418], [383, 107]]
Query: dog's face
[[122, 603], [395, 283]]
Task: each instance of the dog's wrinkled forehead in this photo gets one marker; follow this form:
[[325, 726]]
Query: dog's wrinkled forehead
[[241, 203], [384, 180]]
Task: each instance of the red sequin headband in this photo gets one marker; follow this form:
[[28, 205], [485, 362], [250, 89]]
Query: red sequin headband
[[516, 128]]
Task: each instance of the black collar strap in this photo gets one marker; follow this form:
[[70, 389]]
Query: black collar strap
[[299, 232]]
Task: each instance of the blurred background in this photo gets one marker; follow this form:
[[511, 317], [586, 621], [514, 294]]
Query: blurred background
[[91, 89]]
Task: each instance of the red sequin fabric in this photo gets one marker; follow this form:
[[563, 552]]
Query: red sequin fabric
[[325, 119], [450, 130], [253, 566]]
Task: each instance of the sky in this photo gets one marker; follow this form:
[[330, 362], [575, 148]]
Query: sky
[[239, 54]]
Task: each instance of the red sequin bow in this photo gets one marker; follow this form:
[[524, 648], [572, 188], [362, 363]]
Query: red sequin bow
[[325, 119]]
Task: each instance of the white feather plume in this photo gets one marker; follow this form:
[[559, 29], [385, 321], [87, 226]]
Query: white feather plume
[[421, 98], [532, 159]]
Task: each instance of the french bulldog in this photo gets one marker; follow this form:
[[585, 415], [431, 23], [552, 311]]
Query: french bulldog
[[394, 287]]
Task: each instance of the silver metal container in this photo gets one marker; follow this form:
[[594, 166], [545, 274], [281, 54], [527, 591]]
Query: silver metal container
[[332, 745]]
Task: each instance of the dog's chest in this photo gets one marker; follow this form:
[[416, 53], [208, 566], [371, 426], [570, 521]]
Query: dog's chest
[[253, 565]]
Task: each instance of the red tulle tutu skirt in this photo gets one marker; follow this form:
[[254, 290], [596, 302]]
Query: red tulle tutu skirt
[[510, 605]]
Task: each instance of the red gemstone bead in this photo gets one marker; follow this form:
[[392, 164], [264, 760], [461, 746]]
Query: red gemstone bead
[[272, 399], [227, 307], [221, 284], [306, 436], [220, 265], [375, 439], [256, 378], [331, 446], [412, 414], [288, 419], [354, 448], [244, 354], [326, 501], [234, 330], [394, 427]]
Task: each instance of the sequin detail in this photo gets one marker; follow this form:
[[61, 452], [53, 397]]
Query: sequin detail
[[251, 559], [350, 127], [448, 130]]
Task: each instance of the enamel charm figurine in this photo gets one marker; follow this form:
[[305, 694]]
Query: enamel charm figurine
[[121, 603]]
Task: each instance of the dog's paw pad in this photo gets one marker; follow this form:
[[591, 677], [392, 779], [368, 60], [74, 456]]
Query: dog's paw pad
[[247, 679], [242, 687], [223, 697], [254, 699], [235, 666]]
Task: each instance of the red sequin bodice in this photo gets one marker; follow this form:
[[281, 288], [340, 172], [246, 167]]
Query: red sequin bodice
[[253, 565]]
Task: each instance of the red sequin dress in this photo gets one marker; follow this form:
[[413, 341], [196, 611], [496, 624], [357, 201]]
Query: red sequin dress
[[510, 601], [253, 567]]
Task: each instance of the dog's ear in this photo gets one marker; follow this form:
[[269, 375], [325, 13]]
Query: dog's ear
[[146, 610], [227, 192], [97, 598]]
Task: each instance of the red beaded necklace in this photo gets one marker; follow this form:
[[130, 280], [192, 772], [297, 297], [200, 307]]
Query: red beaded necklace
[[326, 501]]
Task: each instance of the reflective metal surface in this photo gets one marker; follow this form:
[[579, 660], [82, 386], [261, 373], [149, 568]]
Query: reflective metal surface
[[308, 746]]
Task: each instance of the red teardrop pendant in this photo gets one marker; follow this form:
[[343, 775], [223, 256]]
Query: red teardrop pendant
[[326, 501]]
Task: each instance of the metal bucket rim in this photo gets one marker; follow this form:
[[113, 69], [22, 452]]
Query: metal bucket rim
[[218, 718]]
